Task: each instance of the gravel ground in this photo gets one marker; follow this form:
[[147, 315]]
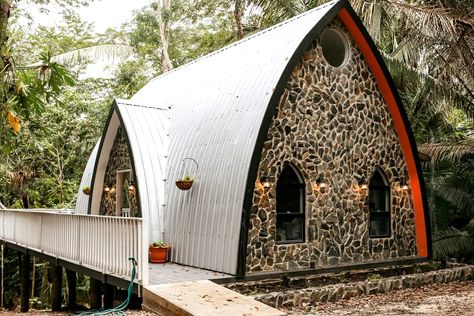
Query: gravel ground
[[453, 299]]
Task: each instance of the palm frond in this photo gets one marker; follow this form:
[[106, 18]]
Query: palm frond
[[103, 53], [446, 151], [460, 198], [451, 242]]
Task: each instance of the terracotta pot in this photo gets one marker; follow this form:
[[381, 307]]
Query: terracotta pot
[[158, 254]]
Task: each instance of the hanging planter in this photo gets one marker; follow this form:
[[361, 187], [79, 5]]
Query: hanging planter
[[86, 190], [188, 173], [185, 184]]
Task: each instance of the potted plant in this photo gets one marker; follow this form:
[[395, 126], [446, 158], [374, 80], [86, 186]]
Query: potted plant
[[158, 252], [185, 183], [86, 190]]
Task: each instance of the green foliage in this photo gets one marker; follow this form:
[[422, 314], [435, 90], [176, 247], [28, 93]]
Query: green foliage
[[453, 243], [372, 277], [158, 244], [197, 28], [130, 77]]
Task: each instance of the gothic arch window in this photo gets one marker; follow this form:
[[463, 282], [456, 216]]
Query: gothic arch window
[[290, 201], [379, 205]]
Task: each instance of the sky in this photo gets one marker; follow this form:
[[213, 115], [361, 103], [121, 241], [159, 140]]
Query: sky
[[103, 13], [110, 13]]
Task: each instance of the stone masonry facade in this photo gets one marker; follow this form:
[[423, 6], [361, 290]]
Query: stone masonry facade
[[331, 122], [119, 160]]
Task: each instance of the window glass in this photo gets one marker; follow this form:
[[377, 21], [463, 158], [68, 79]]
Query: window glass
[[335, 47], [379, 205], [290, 206]]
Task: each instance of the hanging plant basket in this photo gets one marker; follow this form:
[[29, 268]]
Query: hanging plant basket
[[86, 190], [187, 174], [184, 184]]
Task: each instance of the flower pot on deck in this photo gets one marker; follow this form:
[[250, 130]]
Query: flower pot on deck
[[158, 254]]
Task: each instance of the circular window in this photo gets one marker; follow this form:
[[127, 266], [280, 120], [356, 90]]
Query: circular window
[[335, 47]]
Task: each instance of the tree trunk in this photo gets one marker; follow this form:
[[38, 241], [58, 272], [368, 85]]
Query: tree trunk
[[432, 196], [25, 265], [238, 13], [71, 288], [44, 291], [5, 6], [164, 5], [56, 288]]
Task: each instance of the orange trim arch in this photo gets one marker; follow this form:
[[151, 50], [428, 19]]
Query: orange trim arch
[[408, 151]]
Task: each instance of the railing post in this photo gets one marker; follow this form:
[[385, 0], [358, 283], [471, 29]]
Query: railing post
[[143, 243]]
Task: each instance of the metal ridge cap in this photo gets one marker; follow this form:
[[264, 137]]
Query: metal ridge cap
[[139, 104]]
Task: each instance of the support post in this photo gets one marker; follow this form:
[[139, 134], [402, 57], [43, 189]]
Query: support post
[[71, 288], [95, 294], [25, 266], [56, 288], [109, 292]]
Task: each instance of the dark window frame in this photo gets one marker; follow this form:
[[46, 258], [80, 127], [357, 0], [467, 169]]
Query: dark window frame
[[302, 198], [385, 215]]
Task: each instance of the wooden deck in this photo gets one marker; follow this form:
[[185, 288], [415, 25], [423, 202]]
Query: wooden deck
[[175, 273]]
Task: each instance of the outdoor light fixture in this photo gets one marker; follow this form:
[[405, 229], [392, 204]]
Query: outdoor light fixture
[[110, 191], [265, 181], [131, 187], [404, 185], [321, 183], [363, 184]]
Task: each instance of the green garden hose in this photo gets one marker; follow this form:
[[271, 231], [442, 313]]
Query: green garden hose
[[119, 309]]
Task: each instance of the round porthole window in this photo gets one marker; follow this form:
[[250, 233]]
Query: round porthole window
[[335, 47]]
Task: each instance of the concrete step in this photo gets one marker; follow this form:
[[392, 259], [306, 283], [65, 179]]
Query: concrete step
[[201, 298]]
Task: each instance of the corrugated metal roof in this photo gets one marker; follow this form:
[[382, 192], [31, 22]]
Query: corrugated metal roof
[[147, 130], [82, 201], [217, 106]]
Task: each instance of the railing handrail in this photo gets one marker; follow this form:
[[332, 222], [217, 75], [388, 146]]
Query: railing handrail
[[61, 212], [102, 243]]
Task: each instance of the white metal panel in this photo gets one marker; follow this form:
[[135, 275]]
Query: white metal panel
[[217, 106], [82, 201], [147, 130]]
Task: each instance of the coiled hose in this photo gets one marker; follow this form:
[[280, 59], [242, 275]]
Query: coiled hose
[[119, 310]]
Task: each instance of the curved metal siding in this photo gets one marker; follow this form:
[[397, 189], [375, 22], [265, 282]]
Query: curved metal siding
[[147, 129], [217, 105], [82, 201]]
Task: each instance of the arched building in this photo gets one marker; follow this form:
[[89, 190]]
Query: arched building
[[304, 155]]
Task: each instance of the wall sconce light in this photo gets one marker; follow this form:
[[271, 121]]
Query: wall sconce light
[[110, 191], [131, 188], [265, 181], [321, 183], [363, 184], [404, 185]]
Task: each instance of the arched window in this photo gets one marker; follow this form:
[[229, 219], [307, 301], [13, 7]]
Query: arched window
[[290, 200], [379, 205]]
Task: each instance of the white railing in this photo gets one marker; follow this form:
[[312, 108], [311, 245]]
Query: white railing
[[101, 243]]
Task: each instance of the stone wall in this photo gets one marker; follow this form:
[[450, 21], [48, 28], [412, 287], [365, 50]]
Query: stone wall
[[340, 291], [331, 122], [119, 160]]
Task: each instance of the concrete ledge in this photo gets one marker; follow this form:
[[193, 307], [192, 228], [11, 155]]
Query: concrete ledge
[[342, 291]]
